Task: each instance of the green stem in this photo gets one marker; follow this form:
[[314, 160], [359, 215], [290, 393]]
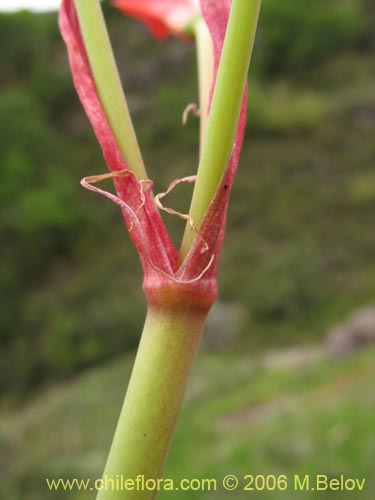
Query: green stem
[[154, 396], [205, 58], [108, 83], [225, 108]]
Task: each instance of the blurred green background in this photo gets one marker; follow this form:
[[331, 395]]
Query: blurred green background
[[297, 261]]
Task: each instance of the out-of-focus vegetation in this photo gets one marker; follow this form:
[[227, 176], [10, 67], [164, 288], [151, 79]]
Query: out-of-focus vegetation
[[299, 250], [298, 33], [240, 417]]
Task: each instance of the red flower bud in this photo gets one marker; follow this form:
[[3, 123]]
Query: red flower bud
[[162, 17]]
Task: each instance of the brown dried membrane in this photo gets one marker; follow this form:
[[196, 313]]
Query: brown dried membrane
[[87, 183], [190, 108]]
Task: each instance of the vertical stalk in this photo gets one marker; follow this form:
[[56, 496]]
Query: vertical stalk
[[225, 108], [205, 57], [108, 83], [154, 397]]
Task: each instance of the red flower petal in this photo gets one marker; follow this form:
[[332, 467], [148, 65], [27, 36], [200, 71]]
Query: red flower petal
[[162, 17]]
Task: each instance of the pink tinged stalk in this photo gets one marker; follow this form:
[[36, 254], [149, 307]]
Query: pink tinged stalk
[[179, 296]]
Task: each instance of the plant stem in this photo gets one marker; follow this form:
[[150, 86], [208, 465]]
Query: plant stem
[[205, 58], [154, 396], [108, 83], [225, 108]]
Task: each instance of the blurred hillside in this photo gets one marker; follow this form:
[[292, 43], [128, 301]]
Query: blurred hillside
[[300, 242], [241, 416]]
